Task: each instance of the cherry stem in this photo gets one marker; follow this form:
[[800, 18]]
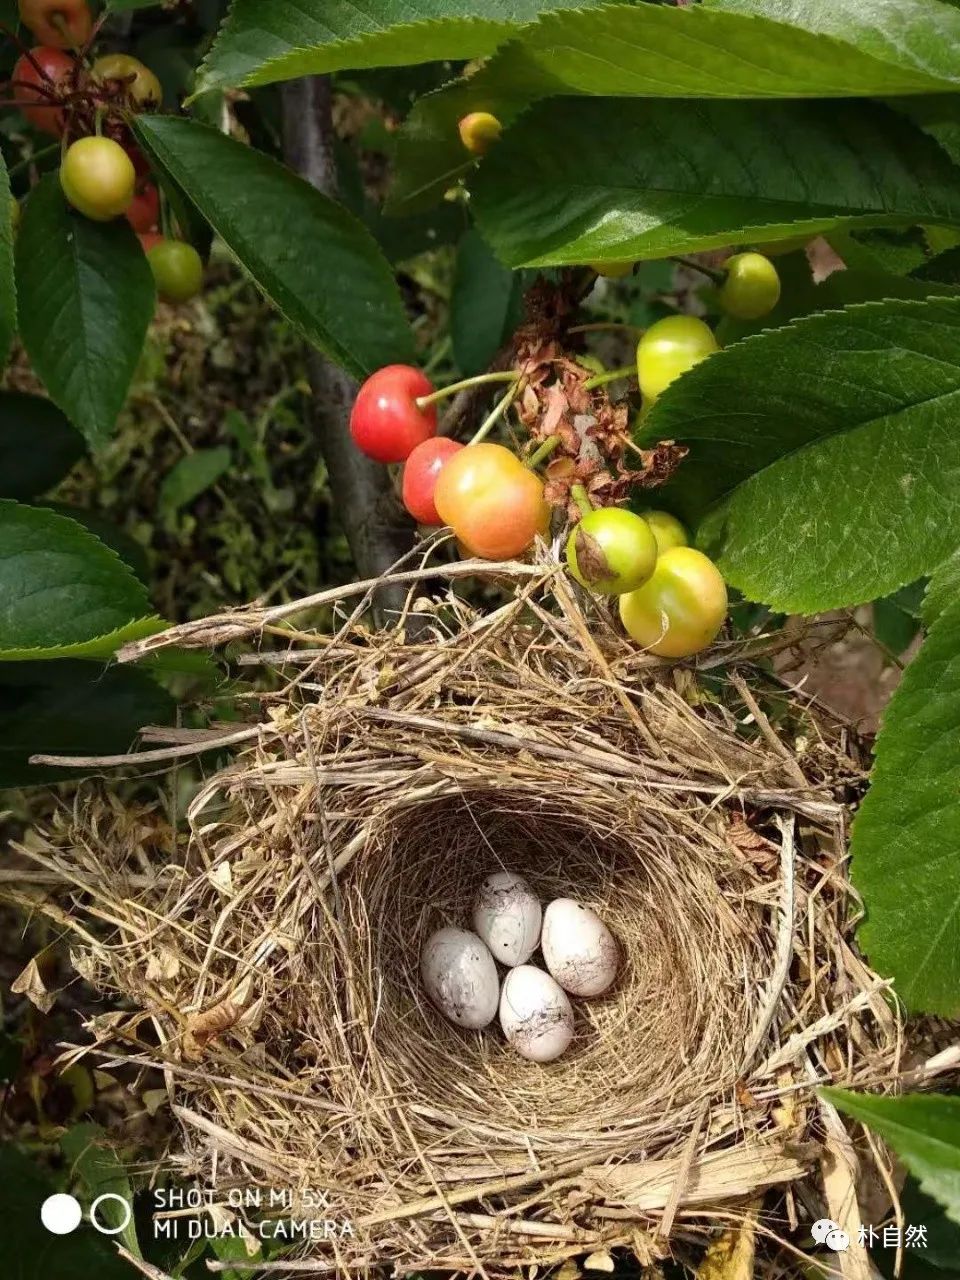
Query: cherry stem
[[32, 159], [422, 402], [543, 450], [592, 328], [713, 273], [611, 375], [493, 417], [60, 22], [580, 496]]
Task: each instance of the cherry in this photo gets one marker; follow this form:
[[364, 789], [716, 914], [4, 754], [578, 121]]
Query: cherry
[[420, 472], [386, 422], [479, 131], [98, 178], [65, 24], [680, 610], [491, 501], [612, 270], [669, 348], [667, 530], [611, 551], [31, 86], [138, 81], [144, 211], [177, 269], [751, 288]]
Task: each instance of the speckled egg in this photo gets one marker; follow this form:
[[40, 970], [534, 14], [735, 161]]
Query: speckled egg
[[579, 949], [507, 917], [460, 977], [535, 1014]]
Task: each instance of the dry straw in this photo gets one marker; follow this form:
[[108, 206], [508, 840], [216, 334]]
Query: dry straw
[[270, 954]]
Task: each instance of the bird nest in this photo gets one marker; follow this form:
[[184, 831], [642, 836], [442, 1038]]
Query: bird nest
[[268, 952]]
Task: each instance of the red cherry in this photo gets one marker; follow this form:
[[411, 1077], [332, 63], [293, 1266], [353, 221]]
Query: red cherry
[[420, 473], [144, 211], [57, 67], [386, 422]]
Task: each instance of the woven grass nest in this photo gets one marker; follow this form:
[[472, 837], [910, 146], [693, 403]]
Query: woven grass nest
[[269, 955]]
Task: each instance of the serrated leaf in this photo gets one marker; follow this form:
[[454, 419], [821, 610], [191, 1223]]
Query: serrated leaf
[[86, 300], [62, 592], [484, 304], [8, 291], [262, 41], [131, 552], [848, 49], [317, 263], [942, 589], [192, 475], [580, 180], [905, 835], [835, 442], [38, 446], [923, 1129]]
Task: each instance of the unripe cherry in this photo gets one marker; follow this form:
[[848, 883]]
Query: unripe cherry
[[680, 609], [98, 178], [666, 529], [669, 348]]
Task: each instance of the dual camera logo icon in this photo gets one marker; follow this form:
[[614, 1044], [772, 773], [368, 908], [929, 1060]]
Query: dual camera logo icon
[[61, 1214], [827, 1232]]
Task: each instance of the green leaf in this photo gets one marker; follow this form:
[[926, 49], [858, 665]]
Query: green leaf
[[484, 304], [267, 40], [86, 300], [945, 267], [62, 592], [100, 1173], [131, 552], [905, 836], [8, 291], [835, 442], [942, 589], [848, 49], [192, 475], [575, 181], [38, 446], [893, 626], [30, 1251], [318, 265], [924, 1131]]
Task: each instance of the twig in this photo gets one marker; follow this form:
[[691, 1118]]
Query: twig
[[150, 757], [140, 1264], [781, 969]]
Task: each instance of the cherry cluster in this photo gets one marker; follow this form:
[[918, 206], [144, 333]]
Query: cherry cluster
[[88, 105]]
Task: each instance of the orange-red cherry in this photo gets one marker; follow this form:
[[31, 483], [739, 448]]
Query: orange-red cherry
[[491, 501], [144, 211], [386, 423], [420, 473], [33, 85], [65, 24]]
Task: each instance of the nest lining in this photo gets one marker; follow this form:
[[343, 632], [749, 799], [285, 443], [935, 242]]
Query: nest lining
[[276, 950]]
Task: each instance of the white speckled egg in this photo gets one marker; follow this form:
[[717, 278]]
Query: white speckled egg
[[535, 1014], [579, 949], [460, 977], [507, 917]]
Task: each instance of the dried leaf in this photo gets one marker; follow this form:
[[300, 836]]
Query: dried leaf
[[591, 559], [206, 1026], [599, 1261], [30, 984]]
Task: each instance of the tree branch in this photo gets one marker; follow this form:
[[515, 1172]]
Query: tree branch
[[378, 530]]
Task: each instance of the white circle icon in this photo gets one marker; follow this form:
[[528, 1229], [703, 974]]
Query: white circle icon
[[61, 1214], [126, 1216], [822, 1228]]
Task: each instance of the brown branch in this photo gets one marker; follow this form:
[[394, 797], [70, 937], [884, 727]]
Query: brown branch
[[378, 530]]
